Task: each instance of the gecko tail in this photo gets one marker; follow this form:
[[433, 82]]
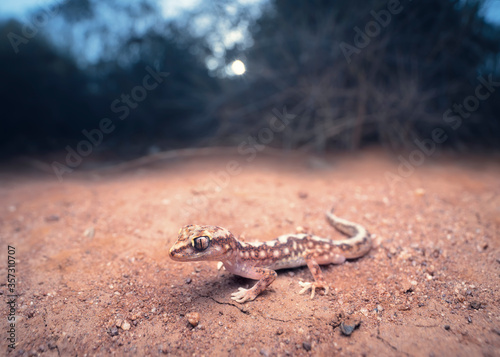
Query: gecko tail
[[358, 236], [348, 228]]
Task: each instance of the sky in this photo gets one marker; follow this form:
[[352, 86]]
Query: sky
[[228, 34], [172, 9], [492, 12], [18, 8]]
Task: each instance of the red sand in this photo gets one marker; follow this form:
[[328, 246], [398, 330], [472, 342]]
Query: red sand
[[91, 253]]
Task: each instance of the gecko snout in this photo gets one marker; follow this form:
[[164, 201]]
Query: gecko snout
[[171, 253]]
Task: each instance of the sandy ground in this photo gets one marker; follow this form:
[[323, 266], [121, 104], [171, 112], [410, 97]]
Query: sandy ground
[[93, 275]]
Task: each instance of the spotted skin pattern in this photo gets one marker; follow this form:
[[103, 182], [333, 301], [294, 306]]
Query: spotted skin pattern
[[259, 260]]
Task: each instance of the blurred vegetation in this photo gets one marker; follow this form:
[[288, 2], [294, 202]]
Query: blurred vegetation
[[394, 90], [391, 88]]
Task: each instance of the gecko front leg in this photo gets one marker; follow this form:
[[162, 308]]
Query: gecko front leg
[[265, 276]]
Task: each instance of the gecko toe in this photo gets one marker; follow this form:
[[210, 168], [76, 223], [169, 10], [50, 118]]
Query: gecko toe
[[305, 286], [313, 286], [243, 295]]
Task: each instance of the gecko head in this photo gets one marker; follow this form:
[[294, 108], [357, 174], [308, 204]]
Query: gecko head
[[202, 243]]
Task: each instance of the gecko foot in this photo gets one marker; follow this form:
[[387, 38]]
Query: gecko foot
[[243, 295], [313, 286]]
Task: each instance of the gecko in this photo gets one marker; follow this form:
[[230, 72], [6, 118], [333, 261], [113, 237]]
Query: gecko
[[260, 260]]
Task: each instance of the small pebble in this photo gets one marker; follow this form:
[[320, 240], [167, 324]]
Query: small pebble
[[300, 229], [408, 287], [469, 319], [113, 331], [303, 194], [419, 192], [306, 345], [89, 232], [482, 247], [162, 350], [279, 331], [193, 318], [446, 327], [264, 352], [188, 281], [51, 345], [125, 325], [348, 328], [476, 305], [52, 218]]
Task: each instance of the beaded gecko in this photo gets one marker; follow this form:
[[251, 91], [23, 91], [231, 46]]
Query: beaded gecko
[[259, 260]]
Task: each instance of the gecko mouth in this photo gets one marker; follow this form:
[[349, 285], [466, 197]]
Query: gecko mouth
[[174, 254], [181, 256]]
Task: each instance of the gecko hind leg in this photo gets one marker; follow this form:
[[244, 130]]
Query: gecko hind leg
[[319, 280]]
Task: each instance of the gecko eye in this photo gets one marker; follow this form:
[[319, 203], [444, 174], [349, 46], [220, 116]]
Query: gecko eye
[[201, 243]]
